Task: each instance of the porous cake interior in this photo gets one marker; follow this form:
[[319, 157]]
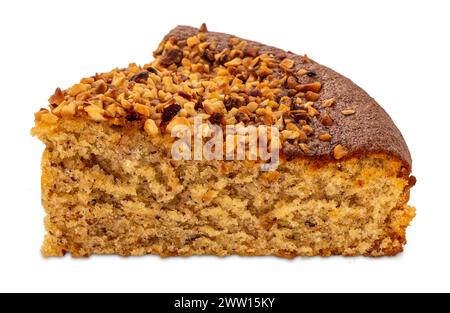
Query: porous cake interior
[[107, 190]]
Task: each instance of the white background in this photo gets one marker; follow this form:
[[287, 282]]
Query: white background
[[396, 50]]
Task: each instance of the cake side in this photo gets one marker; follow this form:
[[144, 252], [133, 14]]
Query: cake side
[[106, 191]]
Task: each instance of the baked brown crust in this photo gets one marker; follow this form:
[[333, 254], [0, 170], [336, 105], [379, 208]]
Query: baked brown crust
[[369, 130]]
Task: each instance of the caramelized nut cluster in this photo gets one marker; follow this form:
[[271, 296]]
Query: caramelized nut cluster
[[193, 77]]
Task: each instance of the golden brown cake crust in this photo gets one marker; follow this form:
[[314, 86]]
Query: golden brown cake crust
[[360, 124]]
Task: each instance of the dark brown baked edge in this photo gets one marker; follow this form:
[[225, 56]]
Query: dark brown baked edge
[[369, 131]]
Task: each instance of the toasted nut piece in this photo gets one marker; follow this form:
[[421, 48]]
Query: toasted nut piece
[[293, 127], [252, 106], [177, 121], [314, 87], [305, 148], [69, 110], [292, 82], [193, 41], [213, 106], [302, 72], [312, 112], [308, 130], [264, 70], [312, 96], [289, 134], [347, 112], [77, 89], [329, 103], [287, 64], [142, 109], [190, 108], [118, 80], [150, 128], [95, 113], [46, 117], [57, 98], [302, 136], [325, 137], [339, 152], [100, 86], [326, 120], [234, 62]]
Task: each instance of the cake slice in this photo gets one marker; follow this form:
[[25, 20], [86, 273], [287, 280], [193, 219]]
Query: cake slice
[[111, 184]]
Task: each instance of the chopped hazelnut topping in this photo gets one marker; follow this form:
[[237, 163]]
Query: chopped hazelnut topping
[[178, 121], [193, 41], [46, 117], [77, 89], [69, 110], [289, 134], [308, 130], [150, 128], [305, 148], [142, 109], [347, 112], [329, 103], [312, 96], [287, 64], [235, 83], [302, 72], [326, 120], [314, 87], [252, 106], [57, 98], [234, 62], [339, 152], [95, 113], [325, 137]]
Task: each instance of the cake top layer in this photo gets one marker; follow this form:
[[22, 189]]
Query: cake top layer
[[227, 81]]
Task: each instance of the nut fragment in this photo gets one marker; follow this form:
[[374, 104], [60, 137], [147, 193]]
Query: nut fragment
[[178, 121], [329, 103], [339, 152], [348, 112], [314, 87], [326, 120], [77, 89], [252, 106], [57, 98], [305, 148], [46, 117], [100, 86], [193, 41], [289, 134], [308, 130], [95, 113], [69, 109], [213, 106], [325, 137], [287, 64], [142, 109], [150, 128], [312, 96], [234, 62], [312, 112]]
